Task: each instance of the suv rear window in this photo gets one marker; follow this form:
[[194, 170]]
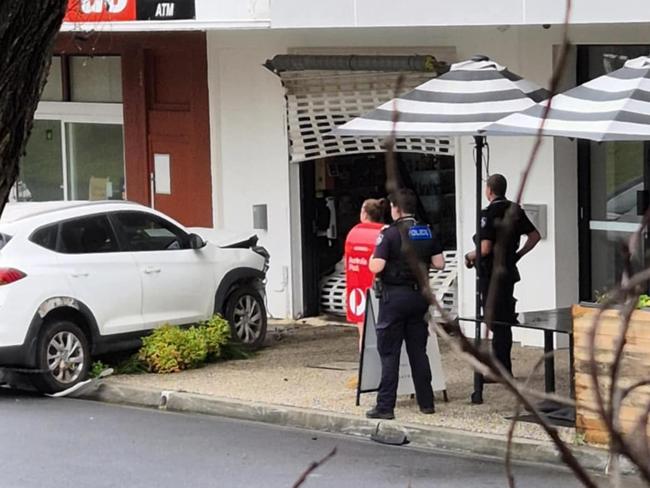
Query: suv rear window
[[45, 237], [4, 239]]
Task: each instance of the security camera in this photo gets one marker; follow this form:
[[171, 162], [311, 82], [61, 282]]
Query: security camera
[[546, 26]]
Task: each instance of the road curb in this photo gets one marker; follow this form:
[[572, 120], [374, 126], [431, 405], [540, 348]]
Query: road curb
[[437, 438]]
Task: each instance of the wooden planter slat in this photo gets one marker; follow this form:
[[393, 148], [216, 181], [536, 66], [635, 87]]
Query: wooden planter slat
[[635, 366]]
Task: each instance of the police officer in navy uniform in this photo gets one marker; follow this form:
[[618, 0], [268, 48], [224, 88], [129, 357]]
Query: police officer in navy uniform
[[402, 305], [493, 231]]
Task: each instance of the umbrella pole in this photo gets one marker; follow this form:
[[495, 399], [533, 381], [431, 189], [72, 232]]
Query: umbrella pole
[[477, 395]]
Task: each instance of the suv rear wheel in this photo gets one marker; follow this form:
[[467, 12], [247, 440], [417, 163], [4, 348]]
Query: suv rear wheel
[[63, 354], [246, 313]]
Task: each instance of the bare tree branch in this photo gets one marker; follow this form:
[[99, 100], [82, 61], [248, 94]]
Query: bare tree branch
[[313, 467]]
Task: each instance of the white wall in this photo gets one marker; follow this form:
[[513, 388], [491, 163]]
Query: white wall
[[250, 154], [372, 13], [229, 10]]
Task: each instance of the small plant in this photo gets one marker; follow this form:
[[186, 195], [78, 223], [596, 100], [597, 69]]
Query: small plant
[[601, 296], [97, 368], [579, 439], [170, 349], [644, 301], [131, 365]]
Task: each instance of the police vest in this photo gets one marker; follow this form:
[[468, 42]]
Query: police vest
[[399, 272]]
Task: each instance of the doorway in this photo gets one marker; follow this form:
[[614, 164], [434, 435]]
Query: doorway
[[333, 190], [614, 179]]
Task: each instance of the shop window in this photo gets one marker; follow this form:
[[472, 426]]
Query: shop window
[[95, 79], [95, 161], [90, 168], [53, 91], [41, 169]]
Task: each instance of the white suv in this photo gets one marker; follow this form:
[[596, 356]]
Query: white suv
[[79, 279]]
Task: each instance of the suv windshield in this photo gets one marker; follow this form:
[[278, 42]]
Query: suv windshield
[[4, 239]]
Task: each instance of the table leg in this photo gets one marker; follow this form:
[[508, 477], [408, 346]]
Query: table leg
[[572, 370], [477, 395], [549, 362]]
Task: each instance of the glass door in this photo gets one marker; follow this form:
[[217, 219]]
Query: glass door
[[41, 169], [95, 161], [618, 193], [613, 185]]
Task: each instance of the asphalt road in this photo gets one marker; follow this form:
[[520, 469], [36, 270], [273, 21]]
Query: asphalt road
[[75, 443]]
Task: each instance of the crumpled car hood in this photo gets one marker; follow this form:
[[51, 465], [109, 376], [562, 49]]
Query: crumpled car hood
[[222, 238]]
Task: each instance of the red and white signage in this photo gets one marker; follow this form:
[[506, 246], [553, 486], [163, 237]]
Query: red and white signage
[[100, 10], [359, 246]]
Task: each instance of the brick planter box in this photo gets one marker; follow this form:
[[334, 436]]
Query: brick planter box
[[635, 366]]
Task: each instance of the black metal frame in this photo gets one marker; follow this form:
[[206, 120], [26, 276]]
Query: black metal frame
[[363, 348], [584, 187], [477, 395], [584, 191]]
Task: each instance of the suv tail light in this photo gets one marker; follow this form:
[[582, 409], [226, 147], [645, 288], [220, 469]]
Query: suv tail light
[[9, 275]]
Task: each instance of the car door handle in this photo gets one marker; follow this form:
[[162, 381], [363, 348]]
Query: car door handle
[[151, 270], [79, 274]]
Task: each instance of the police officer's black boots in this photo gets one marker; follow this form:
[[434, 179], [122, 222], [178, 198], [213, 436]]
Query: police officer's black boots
[[373, 413]]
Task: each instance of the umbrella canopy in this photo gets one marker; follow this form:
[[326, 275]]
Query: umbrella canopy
[[463, 101], [612, 107]]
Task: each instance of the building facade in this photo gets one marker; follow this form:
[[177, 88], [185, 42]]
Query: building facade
[[241, 136]]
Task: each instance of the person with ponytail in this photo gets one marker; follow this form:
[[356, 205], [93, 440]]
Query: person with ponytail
[[359, 246], [374, 211]]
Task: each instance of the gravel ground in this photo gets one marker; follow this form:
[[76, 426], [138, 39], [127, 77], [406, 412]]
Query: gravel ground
[[290, 372]]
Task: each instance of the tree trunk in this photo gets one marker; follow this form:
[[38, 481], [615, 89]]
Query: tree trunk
[[28, 29]]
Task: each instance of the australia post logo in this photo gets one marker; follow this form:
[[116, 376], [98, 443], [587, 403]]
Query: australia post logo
[[357, 302], [100, 10]]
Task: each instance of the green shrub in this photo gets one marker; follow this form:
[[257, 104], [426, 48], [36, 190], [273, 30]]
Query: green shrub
[[170, 349], [131, 365], [217, 334], [96, 369]]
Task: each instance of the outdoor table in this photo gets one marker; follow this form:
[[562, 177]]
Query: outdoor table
[[554, 321]]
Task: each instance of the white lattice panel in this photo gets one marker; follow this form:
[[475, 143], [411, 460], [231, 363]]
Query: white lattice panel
[[332, 296], [443, 283], [319, 101]]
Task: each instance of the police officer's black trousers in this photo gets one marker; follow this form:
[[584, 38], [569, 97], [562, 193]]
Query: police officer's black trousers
[[401, 319], [504, 312]]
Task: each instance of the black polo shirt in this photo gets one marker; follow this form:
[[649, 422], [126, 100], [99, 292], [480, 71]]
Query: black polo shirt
[[492, 225]]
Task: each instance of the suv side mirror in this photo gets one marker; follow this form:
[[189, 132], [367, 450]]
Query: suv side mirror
[[196, 242]]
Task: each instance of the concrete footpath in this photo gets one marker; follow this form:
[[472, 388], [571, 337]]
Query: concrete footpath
[[304, 379]]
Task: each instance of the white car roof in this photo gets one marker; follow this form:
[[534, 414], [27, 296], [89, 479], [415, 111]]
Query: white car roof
[[37, 213]]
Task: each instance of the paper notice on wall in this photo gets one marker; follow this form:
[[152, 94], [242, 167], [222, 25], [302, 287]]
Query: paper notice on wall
[[97, 188], [162, 172]]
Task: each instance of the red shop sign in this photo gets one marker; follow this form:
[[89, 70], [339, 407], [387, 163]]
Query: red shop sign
[[100, 10]]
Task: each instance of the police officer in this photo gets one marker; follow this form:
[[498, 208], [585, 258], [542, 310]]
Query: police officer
[[493, 231], [402, 305]]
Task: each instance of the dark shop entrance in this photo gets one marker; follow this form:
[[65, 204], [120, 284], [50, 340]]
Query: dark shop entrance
[[332, 192]]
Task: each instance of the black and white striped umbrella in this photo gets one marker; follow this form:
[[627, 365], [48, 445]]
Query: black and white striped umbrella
[[463, 101], [612, 107]]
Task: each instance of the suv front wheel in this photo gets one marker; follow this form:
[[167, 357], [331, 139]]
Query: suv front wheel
[[246, 313], [63, 356]]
